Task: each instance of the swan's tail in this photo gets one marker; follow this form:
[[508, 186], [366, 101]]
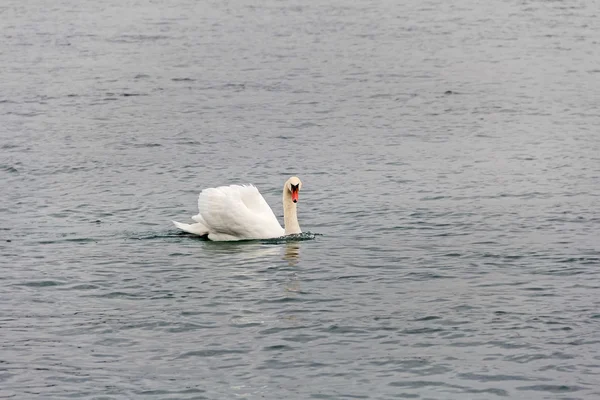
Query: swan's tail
[[196, 229]]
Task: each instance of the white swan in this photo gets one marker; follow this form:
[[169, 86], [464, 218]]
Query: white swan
[[241, 213]]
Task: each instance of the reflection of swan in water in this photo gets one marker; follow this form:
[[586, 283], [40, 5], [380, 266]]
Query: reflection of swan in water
[[256, 252], [245, 250], [292, 253]]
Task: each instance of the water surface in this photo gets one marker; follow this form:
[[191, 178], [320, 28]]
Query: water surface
[[450, 161]]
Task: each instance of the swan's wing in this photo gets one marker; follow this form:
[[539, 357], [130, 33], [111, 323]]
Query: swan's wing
[[252, 199], [237, 211]]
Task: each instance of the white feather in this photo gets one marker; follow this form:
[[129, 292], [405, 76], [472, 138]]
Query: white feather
[[196, 229]]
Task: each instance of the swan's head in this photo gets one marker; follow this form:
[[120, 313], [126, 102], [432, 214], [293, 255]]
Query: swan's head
[[293, 185]]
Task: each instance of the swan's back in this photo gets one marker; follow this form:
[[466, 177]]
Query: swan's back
[[236, 212]]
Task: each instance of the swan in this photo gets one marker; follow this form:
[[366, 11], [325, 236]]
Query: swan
[[235, 212]]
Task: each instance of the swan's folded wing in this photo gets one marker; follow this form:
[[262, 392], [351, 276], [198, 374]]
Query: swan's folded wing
[[254, 201], [239, 211]]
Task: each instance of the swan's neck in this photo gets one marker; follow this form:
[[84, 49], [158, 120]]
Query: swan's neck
[[290, 214]]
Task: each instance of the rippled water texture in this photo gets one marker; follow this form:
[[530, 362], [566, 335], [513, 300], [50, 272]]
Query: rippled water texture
[[450, 161]]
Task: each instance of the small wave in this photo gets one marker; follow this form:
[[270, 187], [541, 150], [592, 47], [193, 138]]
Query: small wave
[[211, 353], [80, 286], [159, 235], [132, 94], [137, 38], [142, 145], [41, 283], [552, 388], [118, 295], [292, 238], [9, 168]]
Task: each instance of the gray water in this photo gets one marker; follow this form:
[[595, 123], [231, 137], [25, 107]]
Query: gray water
[[450, 161]]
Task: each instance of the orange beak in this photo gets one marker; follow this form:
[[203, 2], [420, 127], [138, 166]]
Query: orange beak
[[295, 195]]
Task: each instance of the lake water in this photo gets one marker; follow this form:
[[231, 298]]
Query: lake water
[[450, 159]]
